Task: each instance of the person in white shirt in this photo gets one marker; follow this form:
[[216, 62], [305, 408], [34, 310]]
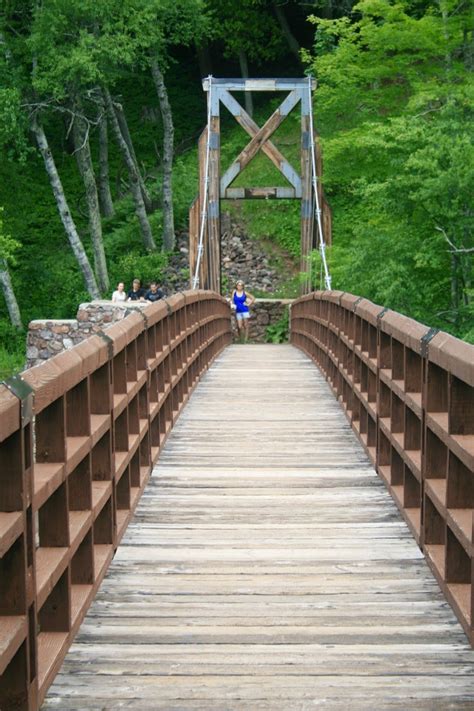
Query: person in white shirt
[[119, 296]]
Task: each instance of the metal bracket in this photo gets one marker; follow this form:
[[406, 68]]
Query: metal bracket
[[424, 341], [24, 393], [382, 313], [170, 310], [357, 302], [109, 341], [144, 317]]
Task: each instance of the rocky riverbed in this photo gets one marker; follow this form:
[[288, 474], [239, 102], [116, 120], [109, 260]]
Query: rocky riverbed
[[261, 265]]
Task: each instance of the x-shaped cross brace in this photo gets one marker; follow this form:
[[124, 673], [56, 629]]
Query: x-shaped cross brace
[[260, 140]]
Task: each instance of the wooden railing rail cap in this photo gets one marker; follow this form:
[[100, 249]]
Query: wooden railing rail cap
[[368, 311], [307, 297], [206, 295], [124, 332], [332, 296], [348, 301], [191, 297], [155, 312], [52, 379], [176, 301], [9, 413], [454, 355], [94, 353], [404, 329]]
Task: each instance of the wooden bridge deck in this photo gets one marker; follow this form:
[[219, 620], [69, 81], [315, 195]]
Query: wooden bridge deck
[[266, 568]]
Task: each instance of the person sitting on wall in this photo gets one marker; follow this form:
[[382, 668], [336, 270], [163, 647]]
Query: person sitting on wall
[[154, 293], [119, 295], [136, 293]]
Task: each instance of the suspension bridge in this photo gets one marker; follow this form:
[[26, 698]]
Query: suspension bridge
[[191, 524]]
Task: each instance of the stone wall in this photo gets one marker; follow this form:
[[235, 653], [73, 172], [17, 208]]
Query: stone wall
[[49, 337], [264, 313]]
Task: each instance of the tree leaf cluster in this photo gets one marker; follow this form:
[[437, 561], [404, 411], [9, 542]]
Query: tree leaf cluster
[[395, 110]]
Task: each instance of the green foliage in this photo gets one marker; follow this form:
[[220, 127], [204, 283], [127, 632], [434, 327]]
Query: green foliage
[[278, 332], [8, 246], [79, 44], [147, 267], [12, 348], [394, 109], [252, 30], [13, 125]]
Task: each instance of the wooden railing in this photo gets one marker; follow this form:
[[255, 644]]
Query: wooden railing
[[408, 392], [78, 438]]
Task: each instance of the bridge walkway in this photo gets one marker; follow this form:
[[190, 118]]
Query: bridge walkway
[[266, 568]]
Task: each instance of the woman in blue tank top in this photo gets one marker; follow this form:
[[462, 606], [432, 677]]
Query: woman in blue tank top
[[242, 300]]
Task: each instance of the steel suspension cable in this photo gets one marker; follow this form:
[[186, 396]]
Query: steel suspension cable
[[322, 245], [204, 207]]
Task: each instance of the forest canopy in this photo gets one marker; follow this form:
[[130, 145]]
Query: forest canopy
[[101, 105]]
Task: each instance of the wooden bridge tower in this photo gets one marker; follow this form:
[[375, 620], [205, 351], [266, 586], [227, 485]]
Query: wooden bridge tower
[[204, 216]]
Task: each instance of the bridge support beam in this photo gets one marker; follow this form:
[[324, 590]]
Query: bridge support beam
[[214, 220], [307, 200], [204, 216]]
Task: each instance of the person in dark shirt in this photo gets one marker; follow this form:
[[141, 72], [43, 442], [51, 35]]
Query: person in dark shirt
[[154, 293], [136, 293]]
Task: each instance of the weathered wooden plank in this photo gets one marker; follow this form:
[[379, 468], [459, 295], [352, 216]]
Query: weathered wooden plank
[[285, 84], [266, 568], [259, 193]]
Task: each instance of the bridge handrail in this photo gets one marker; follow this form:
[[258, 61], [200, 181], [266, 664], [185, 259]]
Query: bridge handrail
[[408, 392], [78, 438]]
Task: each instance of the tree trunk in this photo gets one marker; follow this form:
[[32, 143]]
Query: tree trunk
[[9, 294], [105, 196], [244, 70], [80, 132], [140, 209], [168, 138], [64, 212], [293, 43], [204, 58], [454, 286], [128, 140], [468, 50]]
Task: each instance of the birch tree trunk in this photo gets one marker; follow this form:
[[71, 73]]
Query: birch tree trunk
[[140, 209], [64, 212], [105, 196], [244, 70], [84, 161], [128, 140], [454, 286], [9, 294], [168, 146]]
